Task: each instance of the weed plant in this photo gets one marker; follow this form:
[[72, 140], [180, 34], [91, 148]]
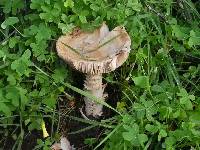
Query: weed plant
[[160, 82]]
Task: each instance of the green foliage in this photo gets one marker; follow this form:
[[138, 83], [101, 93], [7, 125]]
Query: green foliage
[[141, 81], [9, 21], [43, 145], [160, 107]]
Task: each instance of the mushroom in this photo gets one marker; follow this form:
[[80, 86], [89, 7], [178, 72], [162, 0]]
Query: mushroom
[[63, 145], [95, 53]]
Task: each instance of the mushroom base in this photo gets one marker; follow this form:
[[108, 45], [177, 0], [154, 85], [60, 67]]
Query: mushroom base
[[93, 84]]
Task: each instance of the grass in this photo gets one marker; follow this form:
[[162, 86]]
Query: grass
[[159, 85]]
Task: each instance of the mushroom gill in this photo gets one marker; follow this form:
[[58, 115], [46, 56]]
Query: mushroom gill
[[101, 51]]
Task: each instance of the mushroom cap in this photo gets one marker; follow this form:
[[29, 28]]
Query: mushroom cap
[[98, 52]]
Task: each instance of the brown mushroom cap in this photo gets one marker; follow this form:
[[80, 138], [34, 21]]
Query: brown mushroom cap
[[98, 52]]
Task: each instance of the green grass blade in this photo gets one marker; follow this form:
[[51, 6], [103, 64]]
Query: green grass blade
[[108, 136]]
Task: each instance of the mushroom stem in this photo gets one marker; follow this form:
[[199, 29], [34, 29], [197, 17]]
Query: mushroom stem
[[93, 84], [94, 53]]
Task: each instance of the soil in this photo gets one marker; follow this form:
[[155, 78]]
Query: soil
[[30, 140], [78, 139]]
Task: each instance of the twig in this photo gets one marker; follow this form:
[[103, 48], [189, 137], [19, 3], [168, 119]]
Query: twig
[[83, 115]]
